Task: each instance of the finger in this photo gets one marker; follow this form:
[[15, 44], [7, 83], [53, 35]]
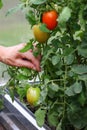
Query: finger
[[25, 63], [30, 58], [20, 46]]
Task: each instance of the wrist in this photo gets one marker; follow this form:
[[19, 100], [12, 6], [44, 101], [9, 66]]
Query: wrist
[[1, 53]]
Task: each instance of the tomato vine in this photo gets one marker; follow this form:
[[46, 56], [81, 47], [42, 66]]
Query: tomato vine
[[63, 79]]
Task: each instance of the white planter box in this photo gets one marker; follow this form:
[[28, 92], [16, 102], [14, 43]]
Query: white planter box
[[15, 116]]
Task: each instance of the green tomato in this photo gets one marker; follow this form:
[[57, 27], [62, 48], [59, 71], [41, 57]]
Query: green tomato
[[33, 95]]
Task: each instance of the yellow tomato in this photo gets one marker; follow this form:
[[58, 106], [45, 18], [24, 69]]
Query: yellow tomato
[[39, 35]]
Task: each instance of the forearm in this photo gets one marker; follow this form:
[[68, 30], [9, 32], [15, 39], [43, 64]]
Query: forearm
[[2, 48]]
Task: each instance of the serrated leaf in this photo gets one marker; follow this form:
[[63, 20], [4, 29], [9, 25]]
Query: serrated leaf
[[53, 118], [21, 77], [83, 77], [27, 47], [69, 59], [59, 72], [82, 99], [78, 116], [64, 16], [44, 28], [44, 93], [81, 19], [55, 59], [54, 87], [37, 2], [77, 87], [22, 91], [15, 9], [40, 117], [79, 69], [78, 35], [82, 51], [74, 89], [31, 17]]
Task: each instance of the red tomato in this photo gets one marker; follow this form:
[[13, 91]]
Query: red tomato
[[50, 19]]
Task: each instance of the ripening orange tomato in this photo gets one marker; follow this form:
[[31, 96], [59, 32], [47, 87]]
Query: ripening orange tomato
[[39, 35]]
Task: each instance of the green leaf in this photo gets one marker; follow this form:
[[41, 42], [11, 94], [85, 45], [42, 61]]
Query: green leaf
[[30, 16], [79, 69], [77, 87], [55, 59], [15, 9], [11, 93], [1, 4], [1, 103], [52, 118], [44, 28], [54, 87], [82, 99], [22, 91], [44, 93], [69, 59], [40, 116], [46, 81], [83, 77], [64, 16], [27, 47], [81, 20], [37, 2], [60, 72], [74, 89], [21, 77], [59, 127], [68, 51], [78, 116], [82, 51], [78, 35]]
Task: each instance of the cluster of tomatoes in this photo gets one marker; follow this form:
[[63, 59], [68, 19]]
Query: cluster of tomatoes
[[49, 18]]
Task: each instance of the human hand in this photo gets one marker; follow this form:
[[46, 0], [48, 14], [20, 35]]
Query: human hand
[[13, 57]]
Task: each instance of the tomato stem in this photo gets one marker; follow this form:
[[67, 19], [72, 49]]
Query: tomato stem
[[76, 129], [65, 76]]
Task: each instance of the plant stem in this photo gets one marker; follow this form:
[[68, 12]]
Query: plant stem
[[65, 76], [56, 80], [39, 77], [76, 129]]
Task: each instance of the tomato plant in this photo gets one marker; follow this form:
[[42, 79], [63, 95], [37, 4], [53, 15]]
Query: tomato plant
[[50, 19], [63, 79], [33, 95]]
